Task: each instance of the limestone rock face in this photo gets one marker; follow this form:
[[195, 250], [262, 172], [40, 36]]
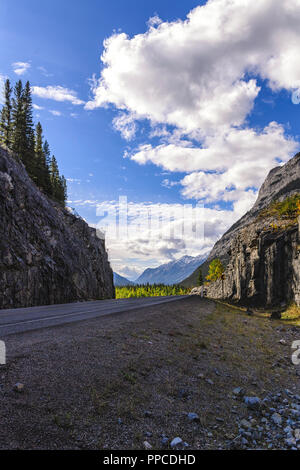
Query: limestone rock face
[[263, 268], [47, 255], [281, 182], [262, 264]]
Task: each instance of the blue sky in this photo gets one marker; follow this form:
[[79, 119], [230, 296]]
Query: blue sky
[[188, 110]]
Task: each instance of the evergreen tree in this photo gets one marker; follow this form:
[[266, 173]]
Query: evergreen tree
[[200, 278], [46, 150], [18, 132], [42, 173], [6, 115], [54, 179], [63, 184], [29, 140]]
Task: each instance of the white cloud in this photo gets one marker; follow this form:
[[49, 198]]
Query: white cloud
[[54, 112], [37, 107], [125, 124], [192, 73], [196, 82], [154, 21], [130, 272], [157, 233], [20, 68], [57, 93], [44, 71], [166, 183], [240, 158], [74, 180]]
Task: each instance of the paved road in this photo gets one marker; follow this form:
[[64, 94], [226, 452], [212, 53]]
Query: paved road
[[20, 320]]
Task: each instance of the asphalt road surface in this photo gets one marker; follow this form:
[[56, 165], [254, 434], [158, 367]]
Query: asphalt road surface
[[20, 320]]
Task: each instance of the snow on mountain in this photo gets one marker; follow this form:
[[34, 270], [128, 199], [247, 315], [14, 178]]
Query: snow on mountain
[[172, 272]]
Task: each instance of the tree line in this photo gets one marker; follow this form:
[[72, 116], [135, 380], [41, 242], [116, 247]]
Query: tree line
[[149, 290], [19, 134]]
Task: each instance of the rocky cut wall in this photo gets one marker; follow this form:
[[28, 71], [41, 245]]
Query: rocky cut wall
[[263, 268], [47, 255]]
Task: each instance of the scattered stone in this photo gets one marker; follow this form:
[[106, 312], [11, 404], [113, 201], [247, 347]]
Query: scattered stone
[[276, 418], [148, 434], [164, 441], [297, 434], [252, 403], [147, 445], [209, 381], [120, 421], [291, 442], [19, 387], [282, 341], [245, 424], [176, 442], [147, 414], [237, 391], [193, 417], [182, 393]]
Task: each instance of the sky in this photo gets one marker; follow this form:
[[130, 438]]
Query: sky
[[179, 108]]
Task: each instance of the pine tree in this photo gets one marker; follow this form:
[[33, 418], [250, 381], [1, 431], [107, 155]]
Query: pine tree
[[29, 139], [54, 178], [200, 278], [18, 132], [46, 150], [42, 173], [6, 116], [63, 184]]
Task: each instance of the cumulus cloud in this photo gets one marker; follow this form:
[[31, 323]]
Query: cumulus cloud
[[125, 124], [240, 158], [199, 76], [20, 68], [130, 272], [37, 107], [193, 73], [157, 233], [196, 81], [57, 93], [54, 112]]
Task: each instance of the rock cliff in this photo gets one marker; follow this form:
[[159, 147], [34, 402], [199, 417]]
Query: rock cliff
[[263, 268], [47, 254], [262, 262]]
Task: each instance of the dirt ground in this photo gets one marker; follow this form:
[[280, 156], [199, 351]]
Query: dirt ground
[[117, 381]]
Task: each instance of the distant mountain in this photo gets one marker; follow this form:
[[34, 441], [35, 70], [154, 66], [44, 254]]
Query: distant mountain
[[120, 281], [173, 272]]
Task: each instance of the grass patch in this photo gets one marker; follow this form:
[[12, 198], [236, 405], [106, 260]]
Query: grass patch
[[292, 313]]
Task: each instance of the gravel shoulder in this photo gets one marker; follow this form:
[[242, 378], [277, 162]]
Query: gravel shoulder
[[118, 381]]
